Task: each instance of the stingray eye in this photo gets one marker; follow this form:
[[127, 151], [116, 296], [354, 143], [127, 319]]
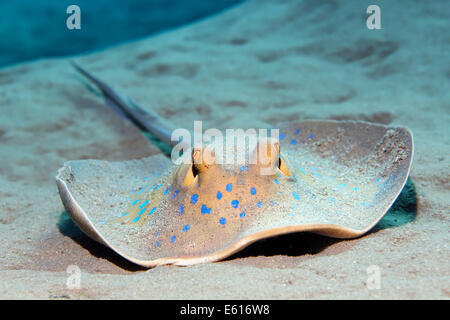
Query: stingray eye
[[191, 175], [192, 172], [282, 165], [202, 159], [266, 155]]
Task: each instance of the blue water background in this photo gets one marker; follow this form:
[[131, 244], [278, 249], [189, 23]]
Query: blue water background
[[31, 29]]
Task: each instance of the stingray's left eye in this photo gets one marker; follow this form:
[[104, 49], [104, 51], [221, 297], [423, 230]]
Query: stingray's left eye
[[282, 165], [191, 175], [202, 159]]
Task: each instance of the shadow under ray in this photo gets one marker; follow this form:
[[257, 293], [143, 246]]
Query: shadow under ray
[[292, 244], [404, 209]]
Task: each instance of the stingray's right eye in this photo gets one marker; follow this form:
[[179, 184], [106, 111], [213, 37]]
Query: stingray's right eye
[[282, 165]]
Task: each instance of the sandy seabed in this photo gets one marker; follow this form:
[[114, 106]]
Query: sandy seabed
[[256, 65]]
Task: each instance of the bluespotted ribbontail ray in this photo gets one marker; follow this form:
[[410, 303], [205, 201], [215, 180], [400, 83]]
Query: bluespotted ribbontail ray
[[335, 178]]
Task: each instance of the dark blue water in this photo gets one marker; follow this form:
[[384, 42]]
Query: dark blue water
[[31, 29]]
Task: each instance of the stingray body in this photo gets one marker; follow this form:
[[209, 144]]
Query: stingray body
[[336, 178]]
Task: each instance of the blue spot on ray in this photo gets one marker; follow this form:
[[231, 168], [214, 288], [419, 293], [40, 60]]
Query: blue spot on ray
[[141, 190], [152, 211], [295, 195], [219, 195], [293, 142], [242, 215], [172, 240], [167, 190], [235, 203], [186, 228], [222, 221], [282, 135], [297, 131], [181, 209], [311, 136], [301, 170], [194, 198], [253, 190], [244, 168], [175, 193], [143, 204], [259, 204], [205, 209], [229, 187], [135, 201]]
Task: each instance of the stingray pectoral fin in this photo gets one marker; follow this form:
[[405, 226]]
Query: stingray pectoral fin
[[81, 219], [93, 204], [75, 212], [347, 173]]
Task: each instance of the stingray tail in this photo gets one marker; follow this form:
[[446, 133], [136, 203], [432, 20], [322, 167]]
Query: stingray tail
[[129, 110]]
